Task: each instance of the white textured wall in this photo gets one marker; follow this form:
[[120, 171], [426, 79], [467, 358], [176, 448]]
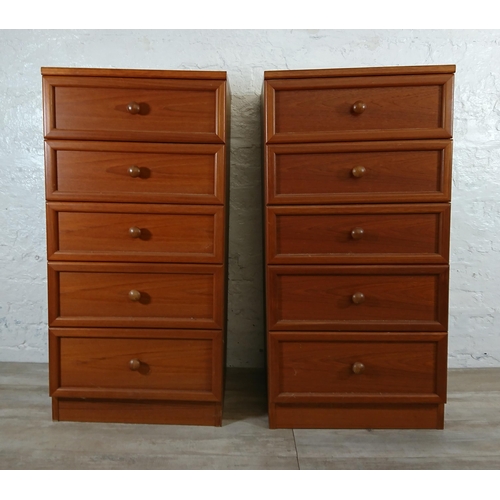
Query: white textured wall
[[475, 257]]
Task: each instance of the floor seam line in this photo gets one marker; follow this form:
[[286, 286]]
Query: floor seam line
[[296, 451]]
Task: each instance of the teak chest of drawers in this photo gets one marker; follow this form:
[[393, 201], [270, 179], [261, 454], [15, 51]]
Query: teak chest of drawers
[[357, 219], [136, 184]]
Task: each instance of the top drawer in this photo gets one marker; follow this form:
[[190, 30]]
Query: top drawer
[[358, 108], [134, 109]]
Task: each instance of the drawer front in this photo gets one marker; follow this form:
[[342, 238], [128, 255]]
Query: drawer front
[[150, 173], [140, 295], [359, 173], [369, 234], [134, 109], [377, 298], [358, 367], [135, 233], [359, 108], [151, 363]]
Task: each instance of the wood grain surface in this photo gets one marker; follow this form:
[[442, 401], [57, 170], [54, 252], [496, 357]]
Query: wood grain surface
[[395, 171], [135, 232], [168, 173], [170, 110], [136, 189], [320, 109], [357, 185], [368, 234]]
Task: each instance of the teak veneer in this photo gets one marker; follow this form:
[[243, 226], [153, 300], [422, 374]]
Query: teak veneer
[[357, 220], [136, 189]]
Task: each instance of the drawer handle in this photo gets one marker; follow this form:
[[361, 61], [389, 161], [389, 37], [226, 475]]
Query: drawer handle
[[134, 295], [358, 368], [358, 298], [357, 233], [133, 108], [358, 171], [134, 232], [358, 107], [134, 171], [134, 364]]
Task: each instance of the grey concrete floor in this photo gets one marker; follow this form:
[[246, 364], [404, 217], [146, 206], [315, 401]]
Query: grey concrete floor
[[29, 439]]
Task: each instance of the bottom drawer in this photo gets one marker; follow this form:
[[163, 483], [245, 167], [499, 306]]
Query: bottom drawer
[[357, 367], [136, 364]]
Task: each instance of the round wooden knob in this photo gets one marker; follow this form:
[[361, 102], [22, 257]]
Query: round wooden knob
[[134, 232], [358, 107], [358, 298], [134, 364], [134, 295], [134, 171], [133, 108], [358, 171], [358, 368], [357, 233]]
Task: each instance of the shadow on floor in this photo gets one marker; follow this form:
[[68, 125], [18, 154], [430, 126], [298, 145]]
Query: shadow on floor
[[245, 394]]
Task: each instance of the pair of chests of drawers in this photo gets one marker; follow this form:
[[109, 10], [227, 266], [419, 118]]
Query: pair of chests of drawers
[[135, 187], [357, 187]]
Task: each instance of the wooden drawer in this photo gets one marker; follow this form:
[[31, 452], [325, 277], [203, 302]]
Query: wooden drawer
[[140, 363], [369, 234], [134, 109], [357, 367], [135, 295], [393, 171], [371, 298], [135, 233], [135, 172], [331, 109]]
